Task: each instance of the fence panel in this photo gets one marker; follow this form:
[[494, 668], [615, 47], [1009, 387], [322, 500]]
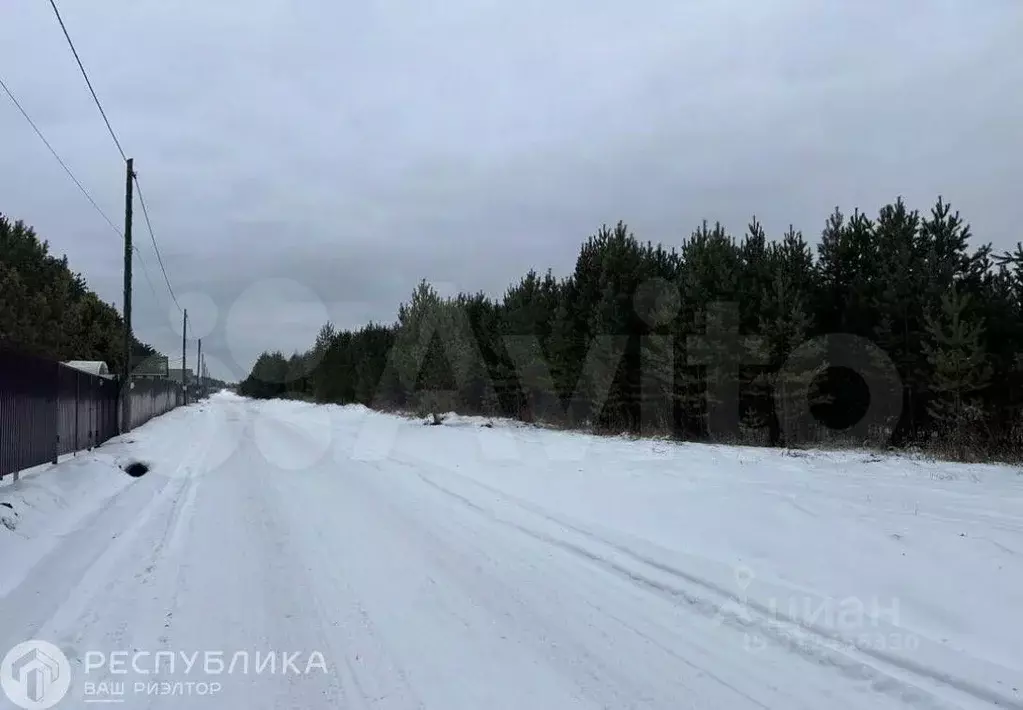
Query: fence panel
[[48, 409], [151, 398], [106, 403], [67, 409], [88, 412], [28, 412], [83, 401]]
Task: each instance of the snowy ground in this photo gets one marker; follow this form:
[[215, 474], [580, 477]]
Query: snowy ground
[[462, 567]]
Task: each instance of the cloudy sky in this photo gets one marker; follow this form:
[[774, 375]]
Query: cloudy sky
[[312, 159]]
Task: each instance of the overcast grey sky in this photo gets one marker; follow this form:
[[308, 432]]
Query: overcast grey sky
[[307, 159]]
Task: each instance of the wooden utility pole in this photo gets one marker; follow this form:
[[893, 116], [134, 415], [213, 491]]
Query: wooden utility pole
[[126, 384], [184, 357], [198, 370]]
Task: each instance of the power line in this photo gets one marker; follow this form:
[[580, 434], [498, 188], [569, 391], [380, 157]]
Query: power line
[[145, 272], [85, 74], [78, 184], [59, 159], [138, 187], [152, 236]]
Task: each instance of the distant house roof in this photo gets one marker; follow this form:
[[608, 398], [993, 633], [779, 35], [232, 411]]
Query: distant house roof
[[149, 366], [93, 367]]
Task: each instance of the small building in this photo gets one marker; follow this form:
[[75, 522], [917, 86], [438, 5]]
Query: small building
[[174, 375], [92, 367], [150, 367]]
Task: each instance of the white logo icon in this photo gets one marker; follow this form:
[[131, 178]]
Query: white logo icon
[[35, 675], [740, 611]]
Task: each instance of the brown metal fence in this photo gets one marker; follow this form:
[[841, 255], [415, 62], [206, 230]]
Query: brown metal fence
[[28, 412], [151, 398], [86, 409], [48, 409]]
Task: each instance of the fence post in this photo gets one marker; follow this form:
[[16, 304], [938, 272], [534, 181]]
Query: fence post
[[56, 412], [78, 406], [93, 416]]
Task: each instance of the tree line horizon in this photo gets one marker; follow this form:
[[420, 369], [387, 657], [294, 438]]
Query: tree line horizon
[[614, 345], [940, 322]]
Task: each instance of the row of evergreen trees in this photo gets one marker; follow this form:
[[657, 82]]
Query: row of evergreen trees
[[895, 331], [46, 309]]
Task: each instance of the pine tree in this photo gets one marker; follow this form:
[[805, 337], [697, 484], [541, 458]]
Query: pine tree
[[961, 371], [662, 355], [526, 321], [709, 276], [416, 357], [784, 329]]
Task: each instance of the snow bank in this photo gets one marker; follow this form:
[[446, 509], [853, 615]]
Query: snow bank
[[885, 549], [48, 502]]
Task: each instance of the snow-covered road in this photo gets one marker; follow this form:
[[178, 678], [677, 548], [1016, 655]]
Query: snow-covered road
[[464, 567]]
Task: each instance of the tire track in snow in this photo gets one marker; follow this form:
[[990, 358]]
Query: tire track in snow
[[811, 641], [573, 618], [369, 674], [70, 621]]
